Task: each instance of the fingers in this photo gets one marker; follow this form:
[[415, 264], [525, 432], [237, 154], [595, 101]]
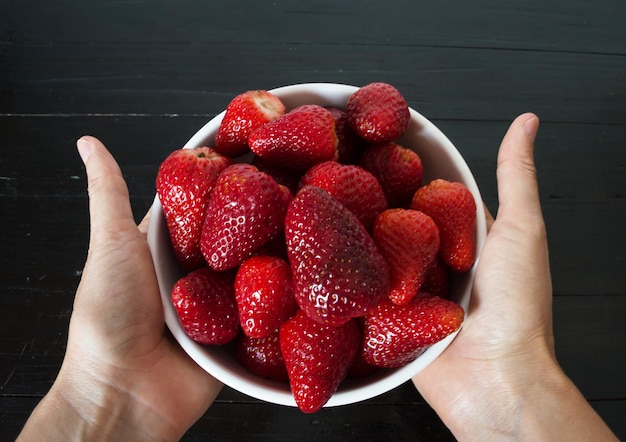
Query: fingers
[[108, 193], [516, 173]]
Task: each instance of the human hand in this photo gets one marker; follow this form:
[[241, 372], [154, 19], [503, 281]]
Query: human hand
[[123, 376], [499, 378]]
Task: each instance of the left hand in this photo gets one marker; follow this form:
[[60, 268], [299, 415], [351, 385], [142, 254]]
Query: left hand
[[123, 374]]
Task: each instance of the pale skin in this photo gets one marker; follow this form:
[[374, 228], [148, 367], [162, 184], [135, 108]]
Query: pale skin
[[124, 378], [499, 379]]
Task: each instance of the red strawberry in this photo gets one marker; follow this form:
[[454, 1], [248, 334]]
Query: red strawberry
[[244, 114], [183, 183], [282, 176], [246, 210], [350, 145], [317, 358], [276, 247], [262, 356], [360, 368], [354, 187], [452, 207], [264, 292], [338, 271], [437, 280], [398, 169], [205, 303], [299, 139], [378, 113], [409, 241], [395, 335]]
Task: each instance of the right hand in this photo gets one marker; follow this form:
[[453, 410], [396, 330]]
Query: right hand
[[499, 377]]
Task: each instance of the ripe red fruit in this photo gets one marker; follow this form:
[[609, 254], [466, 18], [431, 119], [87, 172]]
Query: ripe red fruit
[[317, 358], [244, 114], [409, 241], [245, 211], [452, 207], [183, 183], [262, 356], [350, 145], [378, 113], [352, 186], [282, 176], [264, 292], [437, 280], [338, 271], [360, 368], [395, 335], [205, 303], [299, 139], [398, 169], [275, 247]]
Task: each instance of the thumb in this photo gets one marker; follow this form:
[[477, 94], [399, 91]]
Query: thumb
[[517, 176], [115, 239], [515, 257], [109, 202]]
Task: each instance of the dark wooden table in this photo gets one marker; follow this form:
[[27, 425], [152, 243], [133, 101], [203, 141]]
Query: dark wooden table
[[144, 75]]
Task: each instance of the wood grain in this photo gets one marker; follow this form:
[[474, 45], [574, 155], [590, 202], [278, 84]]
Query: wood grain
[[143, 76]]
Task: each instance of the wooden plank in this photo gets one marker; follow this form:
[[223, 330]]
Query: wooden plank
[[144, 75], [613, 413], [585, 259], [399, 422], [590, 338], [446, 83], [591, 344], [581, 175], [538, 25], [264, 422]]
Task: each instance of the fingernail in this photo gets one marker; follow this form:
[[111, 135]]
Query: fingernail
[[84, 149], [531, 126]]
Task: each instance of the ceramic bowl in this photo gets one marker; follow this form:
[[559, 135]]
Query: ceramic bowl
[[440, 159]]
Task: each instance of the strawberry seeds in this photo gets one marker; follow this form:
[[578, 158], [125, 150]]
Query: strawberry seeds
[[324, 258]]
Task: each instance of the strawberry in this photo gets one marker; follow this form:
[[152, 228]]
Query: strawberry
[[205, 303], [395, 335], [437, 280], [282, 176], [245, 211], [183, 183], [452, 207], [264, 292], [398, 169], [353, 186], [350, 145], [275, 247], [244, 114], [338, 271], [297, 140], [409, 241], [359, 368], [317, 358], [262, 356], [378, 113]]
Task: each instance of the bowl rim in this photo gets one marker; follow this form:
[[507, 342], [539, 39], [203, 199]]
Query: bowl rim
[[351, 390]]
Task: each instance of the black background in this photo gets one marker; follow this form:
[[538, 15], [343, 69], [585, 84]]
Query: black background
[[145, 75]]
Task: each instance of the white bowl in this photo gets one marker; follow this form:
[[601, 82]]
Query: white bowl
[[440, 160]]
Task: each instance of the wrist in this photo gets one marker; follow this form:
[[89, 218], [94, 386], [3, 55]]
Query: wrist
[[88, 409], [533, 400], [554, 409]]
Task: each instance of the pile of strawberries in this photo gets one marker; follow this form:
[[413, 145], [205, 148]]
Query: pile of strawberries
[[325, 256]]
